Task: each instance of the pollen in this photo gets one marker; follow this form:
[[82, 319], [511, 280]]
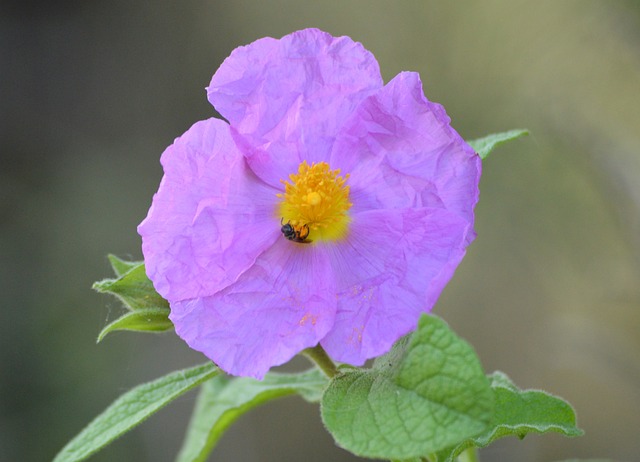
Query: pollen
[[317, 197]]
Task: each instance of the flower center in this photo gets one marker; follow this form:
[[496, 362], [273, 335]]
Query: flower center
[[316, 198]]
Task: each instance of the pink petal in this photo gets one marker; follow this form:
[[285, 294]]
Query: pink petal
[[283, 304], [403, 144], [210, 218], [287, 99], [391, 268]]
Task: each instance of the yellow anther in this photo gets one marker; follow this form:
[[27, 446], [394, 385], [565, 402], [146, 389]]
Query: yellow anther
[[317, 197]]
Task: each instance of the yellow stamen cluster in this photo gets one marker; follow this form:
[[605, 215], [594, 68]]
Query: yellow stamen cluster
[[317, 197]]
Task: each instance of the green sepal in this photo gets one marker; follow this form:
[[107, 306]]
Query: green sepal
[[224, 399], [120, 266], [145, 320], [131, 409], [428, 393], [132, 287], [484, 146], [518, 413]]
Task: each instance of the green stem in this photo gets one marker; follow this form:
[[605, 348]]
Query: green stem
[[469, 455], [320, 357]]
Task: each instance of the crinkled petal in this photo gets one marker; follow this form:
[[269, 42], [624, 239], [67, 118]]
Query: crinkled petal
[[283, 304], [210, 218], [287, 99], [391, 268], [401, 152]]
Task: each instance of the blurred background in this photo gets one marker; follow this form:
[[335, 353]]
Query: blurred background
[[92, 92]]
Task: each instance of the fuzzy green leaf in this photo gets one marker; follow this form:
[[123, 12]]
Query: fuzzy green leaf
[[518, 413], [224, 399], [131, 409], [484, 146], [133, 288], [427, 394], [144, 320]]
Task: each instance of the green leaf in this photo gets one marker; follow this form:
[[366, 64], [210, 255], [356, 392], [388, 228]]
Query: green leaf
[[428, 393], [144, 320], [223, 399], [518, 413], [134, 289], [484, 146], [131, 409], [120, 266]]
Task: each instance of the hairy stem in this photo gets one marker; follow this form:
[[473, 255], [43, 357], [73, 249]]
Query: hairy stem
[[469, 455], [320, 357]]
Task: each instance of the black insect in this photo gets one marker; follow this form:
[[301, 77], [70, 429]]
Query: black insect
[[295, 234]]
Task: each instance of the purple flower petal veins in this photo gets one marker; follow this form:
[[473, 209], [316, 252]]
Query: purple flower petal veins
[[247, 297]]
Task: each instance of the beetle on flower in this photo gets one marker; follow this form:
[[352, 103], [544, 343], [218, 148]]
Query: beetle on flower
[[371, 178]]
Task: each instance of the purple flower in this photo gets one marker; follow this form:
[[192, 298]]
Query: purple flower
[[330, 209]]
